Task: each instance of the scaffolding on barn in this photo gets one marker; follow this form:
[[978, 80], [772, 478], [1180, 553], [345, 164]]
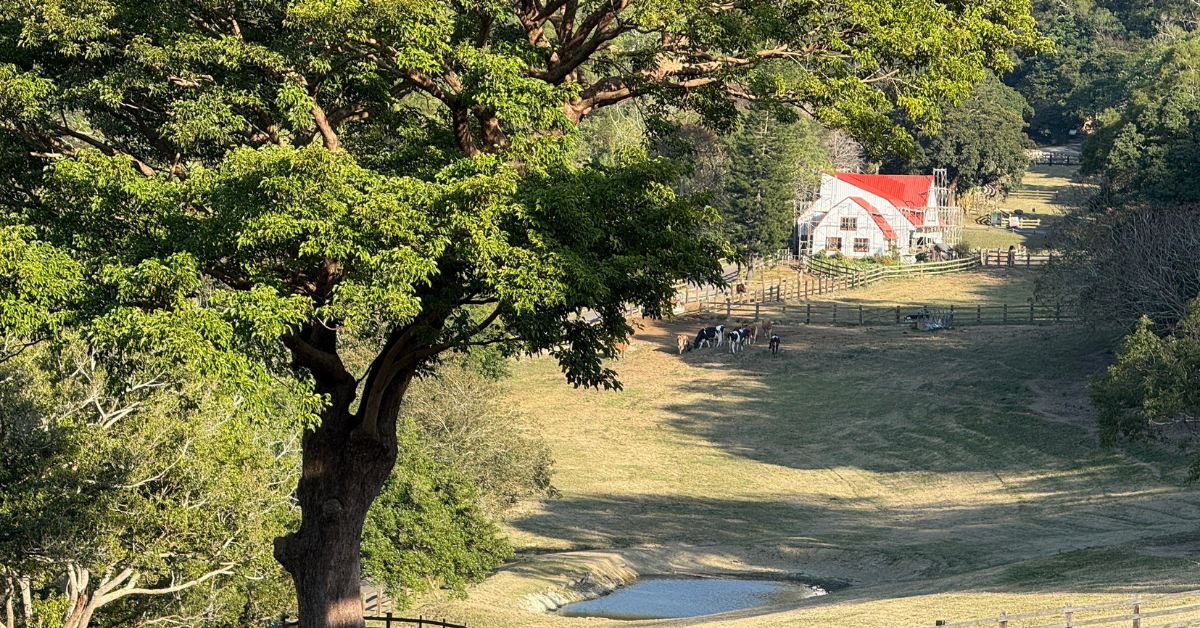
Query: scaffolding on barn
[[949, 215]]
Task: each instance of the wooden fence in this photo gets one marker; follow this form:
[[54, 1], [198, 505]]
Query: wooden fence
[[849, 314], [1047, 158], [826, 276], [1001, 257], [390, 621], [1175, 610]]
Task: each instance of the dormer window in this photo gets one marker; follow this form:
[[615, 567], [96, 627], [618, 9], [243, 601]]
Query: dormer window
[[850, 223]]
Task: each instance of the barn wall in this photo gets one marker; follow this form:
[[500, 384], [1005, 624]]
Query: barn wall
[[830, 227]]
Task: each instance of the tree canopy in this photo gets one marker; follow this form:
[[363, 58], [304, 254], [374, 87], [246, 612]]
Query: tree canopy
[[1150, 149], [981, 141]]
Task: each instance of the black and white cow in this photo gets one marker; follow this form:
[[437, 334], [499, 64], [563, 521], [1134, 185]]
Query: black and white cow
[[709, 336], [774, 344]]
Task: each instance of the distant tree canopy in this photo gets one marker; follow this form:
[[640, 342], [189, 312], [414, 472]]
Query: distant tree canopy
[[1150, 149], [981, 141], [1097, 47]]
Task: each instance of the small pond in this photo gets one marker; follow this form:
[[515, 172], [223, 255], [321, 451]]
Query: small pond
[[666, 598]]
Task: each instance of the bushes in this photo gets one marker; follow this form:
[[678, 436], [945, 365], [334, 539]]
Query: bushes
[[1154, 387]]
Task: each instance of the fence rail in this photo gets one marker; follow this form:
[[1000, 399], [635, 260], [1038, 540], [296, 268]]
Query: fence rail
[[389, 621], [1047, 158], [826, 276], [1140, 608], [850, 314]]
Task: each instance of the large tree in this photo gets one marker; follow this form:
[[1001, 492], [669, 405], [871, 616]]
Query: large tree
[[245, 185], [981, 141], [768, 160]]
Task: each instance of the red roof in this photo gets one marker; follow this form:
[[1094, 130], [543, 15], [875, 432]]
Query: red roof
[[887, 230], [901, 190]]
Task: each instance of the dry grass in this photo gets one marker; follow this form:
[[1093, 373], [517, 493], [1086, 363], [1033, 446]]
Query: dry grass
[[945, 476], [980, 287]]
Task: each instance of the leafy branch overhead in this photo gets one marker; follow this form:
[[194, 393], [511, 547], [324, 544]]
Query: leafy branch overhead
[[169, 85]]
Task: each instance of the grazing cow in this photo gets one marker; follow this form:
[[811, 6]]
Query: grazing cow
[[751, 333], [774, 344], [765, 327], [708, 336], [737, 340], [683, 342]]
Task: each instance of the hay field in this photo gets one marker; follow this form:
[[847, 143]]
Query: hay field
[[941, 475]]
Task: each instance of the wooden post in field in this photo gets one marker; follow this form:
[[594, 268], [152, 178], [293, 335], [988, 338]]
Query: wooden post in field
[[1004, 320], [978, 314], [1137, 611], [807, 313], [897, 314], [728, 308], [387, 620], [420, 621], [1068, 614], [1028, 257], [1003, 618], [805, 289], [756, 311], [835, 313], [860, 319], [1031, 312], [1057, 312]]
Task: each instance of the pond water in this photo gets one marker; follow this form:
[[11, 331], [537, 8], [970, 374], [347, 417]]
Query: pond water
[[665, 598]]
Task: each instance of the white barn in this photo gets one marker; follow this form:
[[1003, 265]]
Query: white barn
[[872, 214]]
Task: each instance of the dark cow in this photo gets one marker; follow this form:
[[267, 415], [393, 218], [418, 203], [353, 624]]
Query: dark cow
[[774, 344], [737, 339]]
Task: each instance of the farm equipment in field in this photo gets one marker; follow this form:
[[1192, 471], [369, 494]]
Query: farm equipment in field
[[927, 319]]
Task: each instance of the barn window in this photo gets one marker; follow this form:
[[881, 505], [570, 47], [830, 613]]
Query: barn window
[[849, 223], [833, 244], [861, 245]]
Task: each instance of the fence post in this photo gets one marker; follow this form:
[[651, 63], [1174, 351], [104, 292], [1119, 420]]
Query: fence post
[[897, 314], [860, 319], [1068, 614], [1004, 320], [1057, 312], [835, 314], [387, 620], [1028, 257], [1003, 618], [952, 314], [807, 313], [1031, 312], [756, 311], [805, 289], [1137, 611], [728, 308], [978, 314], [420, 621]]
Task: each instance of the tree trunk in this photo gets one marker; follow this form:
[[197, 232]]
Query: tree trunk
[[26, 600], [346, 461]]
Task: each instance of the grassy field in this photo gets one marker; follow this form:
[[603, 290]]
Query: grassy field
[[979, 237], [981, 287], [1046, 193], [941, 475]]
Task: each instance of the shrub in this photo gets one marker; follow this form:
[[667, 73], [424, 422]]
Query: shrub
[[1151, 388]]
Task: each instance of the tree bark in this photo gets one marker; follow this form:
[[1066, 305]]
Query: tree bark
[[344, 468], [26, 600]]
